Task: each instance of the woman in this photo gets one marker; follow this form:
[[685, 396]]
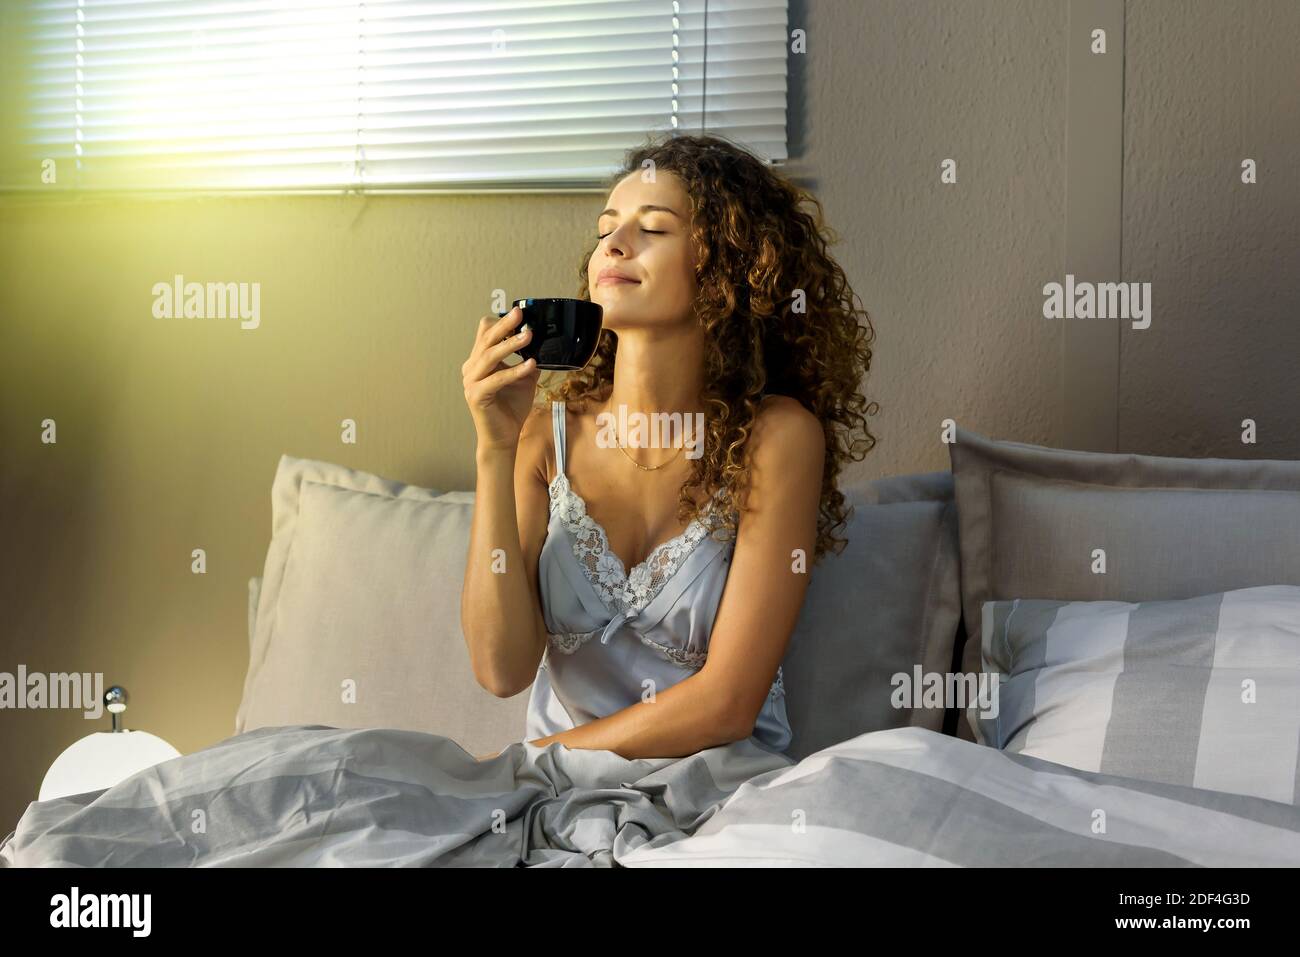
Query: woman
[[648, 596], [662, 683]]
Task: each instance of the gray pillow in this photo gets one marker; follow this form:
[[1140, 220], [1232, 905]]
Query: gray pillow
[[1030, 518], [889, 603], [358, 622], [1203, 692]]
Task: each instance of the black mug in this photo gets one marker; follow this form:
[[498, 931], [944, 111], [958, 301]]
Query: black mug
[[565, 332]]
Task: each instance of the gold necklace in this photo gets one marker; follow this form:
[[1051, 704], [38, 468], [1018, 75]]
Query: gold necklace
[[646, 468], [643, 468]]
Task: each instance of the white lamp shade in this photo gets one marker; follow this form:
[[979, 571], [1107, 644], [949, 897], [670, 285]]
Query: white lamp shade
[[101, 760]]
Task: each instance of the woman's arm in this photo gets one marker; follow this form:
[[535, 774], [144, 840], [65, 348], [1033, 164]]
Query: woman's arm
[[757, 614], [500, 609], [680, 720]]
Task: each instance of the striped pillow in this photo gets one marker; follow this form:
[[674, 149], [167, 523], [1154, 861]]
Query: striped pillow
[[1202, 692]]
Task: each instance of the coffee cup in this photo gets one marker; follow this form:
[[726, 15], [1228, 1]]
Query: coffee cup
[[565, 332]]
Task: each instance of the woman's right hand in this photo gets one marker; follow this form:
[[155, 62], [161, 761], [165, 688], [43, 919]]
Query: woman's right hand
[[499, 396]]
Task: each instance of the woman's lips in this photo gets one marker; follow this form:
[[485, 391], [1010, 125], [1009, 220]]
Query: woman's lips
[[616, 281]]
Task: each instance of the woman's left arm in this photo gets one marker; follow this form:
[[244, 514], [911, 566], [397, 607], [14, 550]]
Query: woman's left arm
[[775, 545], [764, 592]]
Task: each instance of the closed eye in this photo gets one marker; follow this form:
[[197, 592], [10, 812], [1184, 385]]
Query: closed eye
[[657, 232]]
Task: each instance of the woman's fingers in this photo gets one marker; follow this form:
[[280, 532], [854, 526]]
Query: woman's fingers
[[499, 343], [485, 388], [494, 329], [509, 345]]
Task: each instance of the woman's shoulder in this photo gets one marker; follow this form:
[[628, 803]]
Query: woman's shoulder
[[776, 404], [787, 424], [537, 442], [538, 433]]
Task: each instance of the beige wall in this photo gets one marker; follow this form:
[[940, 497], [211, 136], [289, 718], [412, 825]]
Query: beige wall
[[1202, 94], [169, 430]]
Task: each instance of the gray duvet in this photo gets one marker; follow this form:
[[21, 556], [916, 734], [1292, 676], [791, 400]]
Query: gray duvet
[[315, 796]]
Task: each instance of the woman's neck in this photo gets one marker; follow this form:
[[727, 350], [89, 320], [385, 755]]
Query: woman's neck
[[656, 375]]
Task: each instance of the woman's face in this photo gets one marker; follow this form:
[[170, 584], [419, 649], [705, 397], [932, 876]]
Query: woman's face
[[646, 237]]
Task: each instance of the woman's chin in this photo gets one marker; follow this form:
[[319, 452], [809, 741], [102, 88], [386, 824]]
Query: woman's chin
[[610, 317]]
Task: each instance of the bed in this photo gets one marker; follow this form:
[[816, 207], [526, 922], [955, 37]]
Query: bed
[[1136, 619]]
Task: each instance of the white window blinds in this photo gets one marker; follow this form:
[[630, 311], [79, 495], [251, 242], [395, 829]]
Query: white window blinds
[[385, 94]]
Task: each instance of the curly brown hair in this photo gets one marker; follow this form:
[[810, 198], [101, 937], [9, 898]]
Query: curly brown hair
[[760, 254]]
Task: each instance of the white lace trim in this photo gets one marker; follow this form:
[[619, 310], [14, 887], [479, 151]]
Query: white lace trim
[[626, 591], [778, 686], [687, 659], [569, 642]]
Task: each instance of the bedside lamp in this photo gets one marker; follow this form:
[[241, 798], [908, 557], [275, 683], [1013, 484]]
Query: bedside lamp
[[104, 758]]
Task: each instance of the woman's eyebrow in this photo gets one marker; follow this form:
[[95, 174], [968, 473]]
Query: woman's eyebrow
[[643, 209]]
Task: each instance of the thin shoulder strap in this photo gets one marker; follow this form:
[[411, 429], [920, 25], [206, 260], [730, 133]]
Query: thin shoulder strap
[[557, 421]]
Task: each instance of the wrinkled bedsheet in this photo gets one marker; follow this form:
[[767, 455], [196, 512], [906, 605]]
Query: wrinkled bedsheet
[[310, 795]]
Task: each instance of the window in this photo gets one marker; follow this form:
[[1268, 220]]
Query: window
[[217, 95]]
